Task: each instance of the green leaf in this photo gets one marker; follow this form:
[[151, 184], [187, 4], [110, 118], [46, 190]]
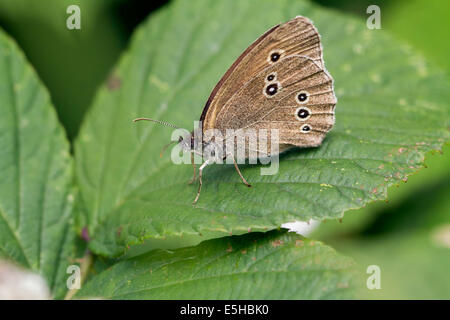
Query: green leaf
[[392, 108], [275, 265], [36, 196], [436, 173], [411, 245]]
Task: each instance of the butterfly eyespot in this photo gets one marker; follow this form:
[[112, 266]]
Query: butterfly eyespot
[[302, 113], [274, 57], [305, 128], [272, 89], [302, 97], [270, 77]]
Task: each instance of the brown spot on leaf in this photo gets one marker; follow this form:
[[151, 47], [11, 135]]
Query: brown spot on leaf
[[277, 243], [119, 231], [113, 82]]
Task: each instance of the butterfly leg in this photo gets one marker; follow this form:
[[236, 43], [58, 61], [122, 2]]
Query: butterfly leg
[[239, 171], [193, 165], [200, 171]]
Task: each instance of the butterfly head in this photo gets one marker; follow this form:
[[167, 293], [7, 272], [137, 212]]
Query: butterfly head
[[191, 141], [188, 142]]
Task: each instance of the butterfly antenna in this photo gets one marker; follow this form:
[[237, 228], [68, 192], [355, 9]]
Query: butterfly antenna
[[165, 148], [157, 121], [163, 123]]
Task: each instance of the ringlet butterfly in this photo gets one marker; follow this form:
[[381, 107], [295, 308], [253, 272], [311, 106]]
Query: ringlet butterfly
[[279, 82]]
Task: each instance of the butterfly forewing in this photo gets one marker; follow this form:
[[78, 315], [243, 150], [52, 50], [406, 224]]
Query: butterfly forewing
[[295, 37]]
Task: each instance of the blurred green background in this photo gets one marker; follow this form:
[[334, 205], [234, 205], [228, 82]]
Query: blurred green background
[[73, 63], [408, 237]]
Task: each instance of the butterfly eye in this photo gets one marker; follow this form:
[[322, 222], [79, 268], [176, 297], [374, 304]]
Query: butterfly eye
[[305, 128], [272, 89], [302, 97], [302, 113]]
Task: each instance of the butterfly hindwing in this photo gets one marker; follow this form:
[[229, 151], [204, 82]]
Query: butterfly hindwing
[[301, 104]]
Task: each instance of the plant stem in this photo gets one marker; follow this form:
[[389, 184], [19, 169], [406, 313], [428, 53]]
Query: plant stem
[[85, 264]]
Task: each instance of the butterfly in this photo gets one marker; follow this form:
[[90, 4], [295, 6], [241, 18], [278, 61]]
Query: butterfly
[[279, 82]]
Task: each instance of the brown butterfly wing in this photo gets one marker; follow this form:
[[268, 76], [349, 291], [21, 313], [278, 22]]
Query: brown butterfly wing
[[302, 96], [295, 37]]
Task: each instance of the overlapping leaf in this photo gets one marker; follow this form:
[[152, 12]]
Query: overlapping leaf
[[274, 265], [36, 197], [392, 109]]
